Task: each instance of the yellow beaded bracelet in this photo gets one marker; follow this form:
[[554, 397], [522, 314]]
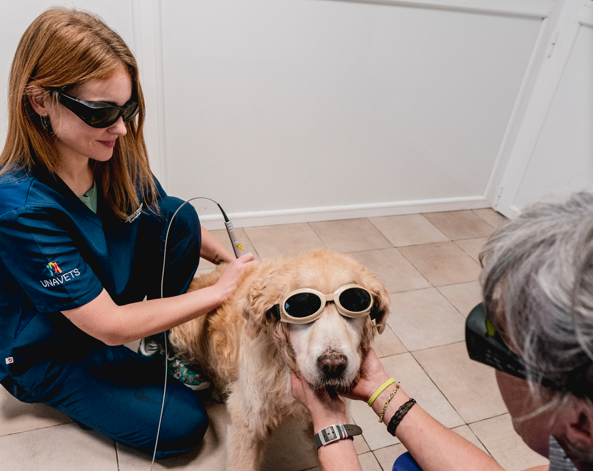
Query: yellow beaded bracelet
[[391, 396], [379, 391]]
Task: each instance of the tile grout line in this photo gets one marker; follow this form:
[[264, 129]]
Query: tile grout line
[[488, 418], [434, 243], [451, 304], [443, 394], [419, 214], [376, 460], [478, 438], [466, 210], [436, 385], [251, 243], [116, 455], [484, 219], [35, 429], [317, 235], [453, 407]]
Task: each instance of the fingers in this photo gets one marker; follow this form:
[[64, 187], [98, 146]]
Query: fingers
[[300, 386], [294, 380], [227, 283], [372, 375], [246, 257], [244, 261], [371, 365], [241, 263], [296, 388], [371, 355]]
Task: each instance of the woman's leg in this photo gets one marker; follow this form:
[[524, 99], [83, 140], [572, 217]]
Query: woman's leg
[[113, 390], [177, 225], [118, 393], [184, 241]]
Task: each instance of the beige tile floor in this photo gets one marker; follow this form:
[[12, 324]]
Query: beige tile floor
[[428, 262]]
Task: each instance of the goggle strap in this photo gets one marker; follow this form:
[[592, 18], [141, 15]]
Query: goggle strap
[[375, 311], [274, 311]]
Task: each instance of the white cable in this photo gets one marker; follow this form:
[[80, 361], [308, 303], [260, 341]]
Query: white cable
[[156, 442]]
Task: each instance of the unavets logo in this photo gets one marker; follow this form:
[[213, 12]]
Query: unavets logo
[[53, 268], [58, 277]]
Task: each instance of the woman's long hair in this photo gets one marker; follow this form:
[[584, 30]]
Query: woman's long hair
[[60, 49]]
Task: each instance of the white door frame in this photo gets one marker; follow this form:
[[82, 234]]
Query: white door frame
[[553, 49]]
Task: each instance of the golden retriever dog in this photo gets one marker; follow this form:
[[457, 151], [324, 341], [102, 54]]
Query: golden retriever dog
[[248, 352]]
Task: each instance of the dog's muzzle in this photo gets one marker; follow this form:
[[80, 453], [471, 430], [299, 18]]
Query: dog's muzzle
[[332, 364]]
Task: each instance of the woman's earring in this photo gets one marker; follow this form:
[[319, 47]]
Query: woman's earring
[[45, 122]]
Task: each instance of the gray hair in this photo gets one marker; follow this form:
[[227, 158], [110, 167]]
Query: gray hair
[[538, 270], [538, 290]]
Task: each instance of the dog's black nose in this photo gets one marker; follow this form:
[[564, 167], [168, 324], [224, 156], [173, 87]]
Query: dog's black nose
[[332, 363]]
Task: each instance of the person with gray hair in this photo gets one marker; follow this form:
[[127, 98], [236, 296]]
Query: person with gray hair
[[538, 293], [535, 327]]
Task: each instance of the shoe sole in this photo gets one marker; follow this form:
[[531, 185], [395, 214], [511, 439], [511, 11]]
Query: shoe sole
[[198, 387], [142, 350]]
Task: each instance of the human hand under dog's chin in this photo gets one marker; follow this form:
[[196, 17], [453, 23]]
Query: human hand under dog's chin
[[326, 409], [372, 376]]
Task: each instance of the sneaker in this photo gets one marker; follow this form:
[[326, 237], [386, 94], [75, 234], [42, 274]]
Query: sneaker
[[152, 349], [189, 377]]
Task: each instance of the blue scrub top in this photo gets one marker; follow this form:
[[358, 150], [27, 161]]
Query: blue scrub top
[[55, 255]]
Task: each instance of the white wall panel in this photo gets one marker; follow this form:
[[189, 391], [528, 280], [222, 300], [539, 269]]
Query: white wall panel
[[551, 155], [292, 110], [562, 161], [295, 105]]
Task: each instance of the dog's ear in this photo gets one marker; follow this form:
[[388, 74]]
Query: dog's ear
[[381, 302], [259, 305]]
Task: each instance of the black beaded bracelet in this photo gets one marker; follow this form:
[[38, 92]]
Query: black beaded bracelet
[[399, 415]]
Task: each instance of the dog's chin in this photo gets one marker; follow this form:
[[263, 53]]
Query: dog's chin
[[341, 382], [337, 383]]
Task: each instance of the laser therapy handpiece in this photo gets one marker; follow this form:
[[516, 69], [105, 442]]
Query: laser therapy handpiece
[[237, 247]]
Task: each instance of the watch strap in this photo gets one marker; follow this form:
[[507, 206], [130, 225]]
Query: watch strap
[[334, 433]]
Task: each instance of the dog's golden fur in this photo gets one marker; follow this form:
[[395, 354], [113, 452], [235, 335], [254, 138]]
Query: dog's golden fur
[[248, 354]]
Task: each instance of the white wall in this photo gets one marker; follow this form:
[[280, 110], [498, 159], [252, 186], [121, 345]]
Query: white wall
[[298, 110], [562, 161], [553, 156], [300, 105]]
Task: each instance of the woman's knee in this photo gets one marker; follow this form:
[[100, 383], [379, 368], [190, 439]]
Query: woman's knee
[[182, 438], [183, 427], [185, 215]]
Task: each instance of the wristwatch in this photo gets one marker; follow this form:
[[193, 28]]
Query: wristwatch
[[334, 433]]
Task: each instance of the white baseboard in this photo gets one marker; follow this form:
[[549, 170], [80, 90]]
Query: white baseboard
[[510, 212], [330, 213]]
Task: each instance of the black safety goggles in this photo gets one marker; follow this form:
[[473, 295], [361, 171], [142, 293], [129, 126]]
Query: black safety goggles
[[306, 305], [99, 114], [485, 345]]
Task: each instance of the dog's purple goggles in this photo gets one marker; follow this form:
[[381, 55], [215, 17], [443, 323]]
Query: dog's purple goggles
[[306, 305]]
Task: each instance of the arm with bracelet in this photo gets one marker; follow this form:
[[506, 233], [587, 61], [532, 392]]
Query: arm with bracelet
[[433, 446], [332, 438]]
